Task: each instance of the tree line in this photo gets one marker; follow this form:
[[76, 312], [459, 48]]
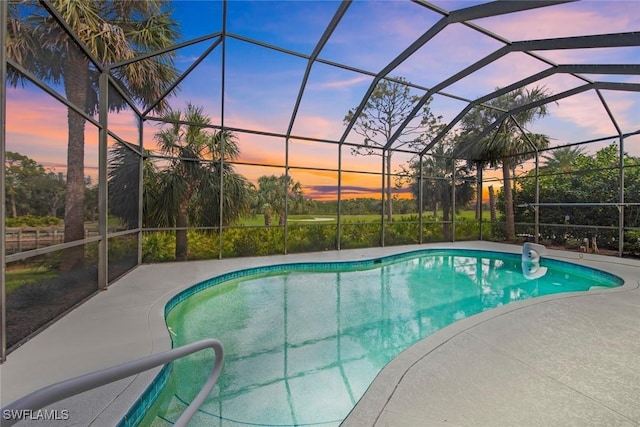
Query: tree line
[[568, 175]]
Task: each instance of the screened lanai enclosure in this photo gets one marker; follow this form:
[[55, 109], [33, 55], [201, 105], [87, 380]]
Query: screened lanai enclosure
[[141, 132]]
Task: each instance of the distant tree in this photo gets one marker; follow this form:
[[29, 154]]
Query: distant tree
[[437, 183], [20, 173], [506, 147], [113, 31], [387, 108], [273, 192], [29, 188]]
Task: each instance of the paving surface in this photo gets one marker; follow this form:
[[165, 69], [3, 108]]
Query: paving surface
[[562, 360]]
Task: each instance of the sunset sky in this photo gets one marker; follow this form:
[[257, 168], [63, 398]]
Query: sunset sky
[[262, 84]]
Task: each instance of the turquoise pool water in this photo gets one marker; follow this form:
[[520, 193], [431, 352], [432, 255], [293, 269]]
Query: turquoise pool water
[[304, 341]]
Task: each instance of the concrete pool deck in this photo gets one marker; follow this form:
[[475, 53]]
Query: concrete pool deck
[[568, 359]]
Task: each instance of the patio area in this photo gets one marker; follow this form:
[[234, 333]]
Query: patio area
[[568, 359]]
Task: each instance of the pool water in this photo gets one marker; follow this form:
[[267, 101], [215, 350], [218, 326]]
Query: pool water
[[303, 344]]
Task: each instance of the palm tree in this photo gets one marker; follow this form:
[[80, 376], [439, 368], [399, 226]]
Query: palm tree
[[187, 191], [124, 176], [562, 159], [508, 146], [112, 31], [272, 194]]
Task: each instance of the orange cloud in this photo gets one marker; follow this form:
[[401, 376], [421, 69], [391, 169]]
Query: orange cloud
[[125, 125], [36, 126], [314, 126]]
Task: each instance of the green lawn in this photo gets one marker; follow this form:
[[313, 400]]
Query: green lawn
[[258, 220], [16, 278]]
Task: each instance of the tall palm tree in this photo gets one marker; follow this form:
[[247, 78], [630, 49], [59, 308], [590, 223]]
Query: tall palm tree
[[562, 159], [508, 146], [112, 31], [187, 191]]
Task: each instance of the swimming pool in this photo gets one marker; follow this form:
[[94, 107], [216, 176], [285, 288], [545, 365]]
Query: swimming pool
[[304, 341]]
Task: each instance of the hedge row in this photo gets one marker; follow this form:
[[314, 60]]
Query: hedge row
[[255, 241]]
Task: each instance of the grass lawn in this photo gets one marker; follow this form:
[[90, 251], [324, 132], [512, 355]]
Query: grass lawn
[[258, 220], [18, 277]]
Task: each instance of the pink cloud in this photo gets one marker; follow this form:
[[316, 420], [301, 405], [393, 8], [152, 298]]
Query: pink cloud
[[565, 20], [315, 126], [338, 84], [585, 111]]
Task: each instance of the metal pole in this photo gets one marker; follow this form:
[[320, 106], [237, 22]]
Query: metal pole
[[286, 192], [221, 202], [383, 200], [103, 247], [223, 76], [140, 187], [537, 209], [3, 129], [339, 226], [621, 207], [479, 196], [453, 201], [420, 198]]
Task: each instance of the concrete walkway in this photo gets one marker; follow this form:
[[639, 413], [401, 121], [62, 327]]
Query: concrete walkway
[[572, 359]]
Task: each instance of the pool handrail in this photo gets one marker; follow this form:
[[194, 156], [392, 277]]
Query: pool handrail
[[68, 388]]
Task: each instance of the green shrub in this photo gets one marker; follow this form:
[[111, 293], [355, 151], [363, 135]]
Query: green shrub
[[632, 243], [402, 232], [354, 235], [309, 238], [467, 229], [202, 244], [252, 241], [33, 221], [432, 232], [159, 247]]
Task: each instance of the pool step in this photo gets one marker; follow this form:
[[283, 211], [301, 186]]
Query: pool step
[[159, 422], [175, 408], [170, 415]]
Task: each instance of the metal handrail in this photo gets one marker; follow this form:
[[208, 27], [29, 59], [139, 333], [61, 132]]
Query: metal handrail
[[64, 389]]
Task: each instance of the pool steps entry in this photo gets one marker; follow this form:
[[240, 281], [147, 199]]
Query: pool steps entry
[[68, 388]]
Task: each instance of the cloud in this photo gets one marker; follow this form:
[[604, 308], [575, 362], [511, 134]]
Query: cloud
[[330, 192], [125, 125], [317, 127], [261, 157], [580, 117], [566, 20], [585, 111], [36, 126]]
